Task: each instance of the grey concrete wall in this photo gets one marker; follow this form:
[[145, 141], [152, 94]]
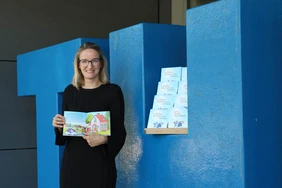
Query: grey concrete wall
[[17, 113], [17, 140], [29, 25], [18, 168]]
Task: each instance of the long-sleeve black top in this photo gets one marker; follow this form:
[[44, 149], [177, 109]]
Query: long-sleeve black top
[[82, 165]]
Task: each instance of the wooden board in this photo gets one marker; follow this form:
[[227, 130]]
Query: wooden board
[[166, 131]]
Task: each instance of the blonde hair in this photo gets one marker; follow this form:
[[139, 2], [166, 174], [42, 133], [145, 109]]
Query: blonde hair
[[78, 79]]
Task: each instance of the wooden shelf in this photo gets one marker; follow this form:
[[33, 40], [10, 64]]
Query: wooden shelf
[[166, 131]]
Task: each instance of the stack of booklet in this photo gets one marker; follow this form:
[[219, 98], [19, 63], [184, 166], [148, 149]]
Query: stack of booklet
[[170, 106]]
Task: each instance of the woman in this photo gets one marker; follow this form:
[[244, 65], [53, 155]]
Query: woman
[[89, 161]]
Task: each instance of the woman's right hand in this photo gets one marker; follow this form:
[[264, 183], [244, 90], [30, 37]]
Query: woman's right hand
[[58, 121]]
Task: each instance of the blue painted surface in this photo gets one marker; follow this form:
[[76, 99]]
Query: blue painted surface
[[137, 55], [262, 90], [215, 146], [45, 73]]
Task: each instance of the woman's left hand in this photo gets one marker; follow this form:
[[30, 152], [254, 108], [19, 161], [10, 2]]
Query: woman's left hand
[[94, 139]]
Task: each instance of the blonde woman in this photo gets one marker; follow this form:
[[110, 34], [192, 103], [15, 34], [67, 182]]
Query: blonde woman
[[91, 91]]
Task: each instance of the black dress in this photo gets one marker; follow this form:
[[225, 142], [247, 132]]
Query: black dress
[[82, 165]]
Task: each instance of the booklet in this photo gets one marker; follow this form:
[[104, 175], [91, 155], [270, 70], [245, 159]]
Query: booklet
[[167, 88], [78, 123], [181, 101], [169, 74], [178, 118], [157, 119], [163, 102], [182, 87]]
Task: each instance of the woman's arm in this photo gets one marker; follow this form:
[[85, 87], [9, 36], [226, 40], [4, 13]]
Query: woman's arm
[[60, 121], [118, 132]]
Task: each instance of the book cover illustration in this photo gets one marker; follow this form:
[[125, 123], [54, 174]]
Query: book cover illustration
[[78, 123], [157, 119], [178, 118]]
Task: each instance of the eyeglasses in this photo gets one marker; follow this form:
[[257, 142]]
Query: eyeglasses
[[85, 62]]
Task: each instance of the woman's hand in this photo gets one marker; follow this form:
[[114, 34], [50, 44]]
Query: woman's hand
[[94, 139], [58, 121]]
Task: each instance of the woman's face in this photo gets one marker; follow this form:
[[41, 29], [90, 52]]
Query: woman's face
[[90, 64]]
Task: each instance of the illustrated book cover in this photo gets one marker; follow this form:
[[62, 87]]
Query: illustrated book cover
[[78, 123], [178, 117], [157, 119]]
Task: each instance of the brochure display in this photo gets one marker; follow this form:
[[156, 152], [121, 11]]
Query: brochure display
[[169, 113]]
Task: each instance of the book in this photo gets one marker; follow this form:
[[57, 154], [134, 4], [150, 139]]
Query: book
[[178, 117], [167, 88], [157, 119], [78, 123], [181, 101], [163, 102], [182, 87], [171, 74]]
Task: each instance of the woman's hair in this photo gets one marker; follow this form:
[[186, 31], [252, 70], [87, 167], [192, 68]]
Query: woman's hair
[[78, 79]]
